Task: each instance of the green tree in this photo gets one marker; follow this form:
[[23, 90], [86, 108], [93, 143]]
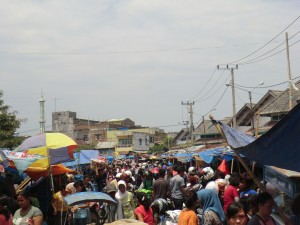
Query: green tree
[[8, 126], [164, 146]]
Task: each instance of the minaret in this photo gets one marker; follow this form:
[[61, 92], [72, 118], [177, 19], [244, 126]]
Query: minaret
[[42, 114]]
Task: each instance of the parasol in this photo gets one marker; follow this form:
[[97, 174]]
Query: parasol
[[83, 197], [57, 148]]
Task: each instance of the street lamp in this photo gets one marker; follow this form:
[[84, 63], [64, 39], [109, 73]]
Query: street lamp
[[250, 98]]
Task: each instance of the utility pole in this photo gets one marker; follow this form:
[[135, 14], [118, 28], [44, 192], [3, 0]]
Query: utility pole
[[42, 114], [251, 107], [204, 131], [233, 93], [289, 72], [190, 111]]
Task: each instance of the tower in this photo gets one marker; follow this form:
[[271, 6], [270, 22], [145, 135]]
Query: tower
[[42, 114]]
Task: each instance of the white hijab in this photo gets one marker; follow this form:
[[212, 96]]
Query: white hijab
[[119, 194]]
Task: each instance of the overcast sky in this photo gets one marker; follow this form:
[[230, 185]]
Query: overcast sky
[[107, 59]]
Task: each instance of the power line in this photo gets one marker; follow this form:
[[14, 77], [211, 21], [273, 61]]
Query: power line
[[220, 98], [246, 62], [205, 85], [128, 52], [217, 101], [219, 88], [273, 85], [270, 55], [37, 129], [212, 87], [234, 62]]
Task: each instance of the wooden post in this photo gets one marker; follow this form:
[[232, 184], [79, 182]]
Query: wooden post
[[257, 125], [232, 164]]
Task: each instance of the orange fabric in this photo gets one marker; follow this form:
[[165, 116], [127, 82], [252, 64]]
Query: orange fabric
[[187, 217], [36, 173]]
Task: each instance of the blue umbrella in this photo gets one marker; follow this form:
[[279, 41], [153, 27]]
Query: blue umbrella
[[83, 197]]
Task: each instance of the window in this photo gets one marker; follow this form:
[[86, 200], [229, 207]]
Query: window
[[140, 141], [124, 142], [98, 136], [146, 141], [85, 137], [151, 140]]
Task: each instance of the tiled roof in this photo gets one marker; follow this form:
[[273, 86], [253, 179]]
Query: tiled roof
[[281, 103]]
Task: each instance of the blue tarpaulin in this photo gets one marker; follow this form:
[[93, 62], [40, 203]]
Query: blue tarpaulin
[[84, 158], [87, 155], [279, 147], [212, 155], [236, 139]]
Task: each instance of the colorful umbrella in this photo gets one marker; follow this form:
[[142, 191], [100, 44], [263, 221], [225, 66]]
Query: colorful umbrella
[[83, 197], [3, 160], [57, 146], [35, 172]]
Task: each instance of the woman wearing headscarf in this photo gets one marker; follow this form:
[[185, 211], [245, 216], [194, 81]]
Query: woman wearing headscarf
[[212, 213], [126, 200]]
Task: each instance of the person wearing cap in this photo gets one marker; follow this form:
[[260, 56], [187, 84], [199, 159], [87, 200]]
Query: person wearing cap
[[114, 211]]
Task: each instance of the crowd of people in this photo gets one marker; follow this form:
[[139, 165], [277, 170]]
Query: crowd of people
[[147, 192]]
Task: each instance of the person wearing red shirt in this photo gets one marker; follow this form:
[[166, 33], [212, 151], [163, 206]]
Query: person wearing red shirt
[[230, 193], [144, 212]]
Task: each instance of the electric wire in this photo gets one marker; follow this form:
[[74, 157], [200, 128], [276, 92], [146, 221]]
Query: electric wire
[[270, 55], [219, 88], [212, 87], [220, 98], [128, 52], [234, 62], [37, 129], [247, 62], [273, 85], [205, 85], [223, 94]]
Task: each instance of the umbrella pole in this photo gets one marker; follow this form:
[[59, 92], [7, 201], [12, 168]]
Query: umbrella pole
[[260, 185], [50, 173]]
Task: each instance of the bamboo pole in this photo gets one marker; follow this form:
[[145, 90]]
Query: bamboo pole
[[232, 164], [260, 185]]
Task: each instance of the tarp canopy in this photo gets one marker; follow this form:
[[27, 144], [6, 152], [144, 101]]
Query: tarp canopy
[[279, 147], [86, 156], [83, 157], [212, 155]]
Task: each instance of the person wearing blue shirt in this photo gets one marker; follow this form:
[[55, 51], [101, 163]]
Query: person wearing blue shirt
[[246, 184]]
